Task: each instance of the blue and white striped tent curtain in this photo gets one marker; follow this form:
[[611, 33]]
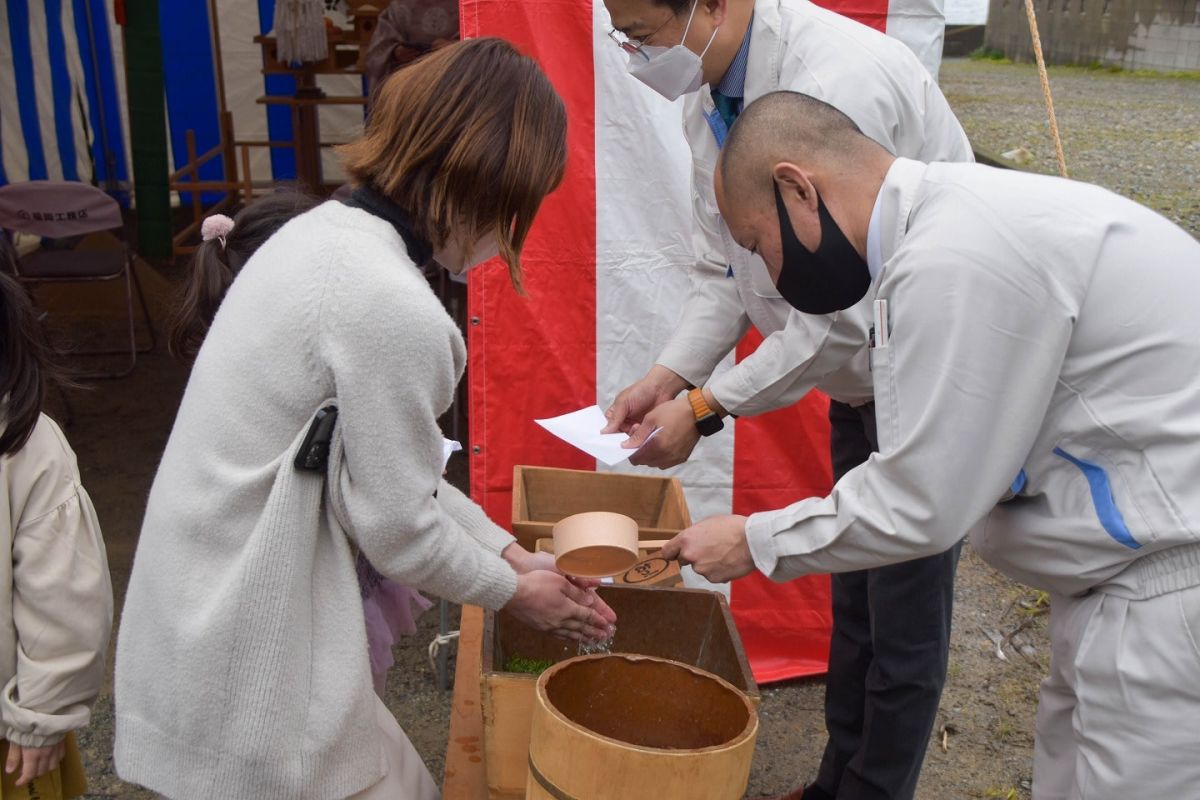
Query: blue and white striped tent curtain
[[61, 111], [62, 90]]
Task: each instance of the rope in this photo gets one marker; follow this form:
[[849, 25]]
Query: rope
[[436, 645], [1041, 65]]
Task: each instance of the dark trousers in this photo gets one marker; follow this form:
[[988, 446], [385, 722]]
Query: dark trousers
[[887, 659]]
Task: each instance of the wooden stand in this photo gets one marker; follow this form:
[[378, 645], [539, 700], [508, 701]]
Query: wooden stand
[[487, 753], [347, 52], [691, 626], [464, 778]]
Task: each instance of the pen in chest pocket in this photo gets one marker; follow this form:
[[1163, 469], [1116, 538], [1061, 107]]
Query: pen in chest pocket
[[881, 330]]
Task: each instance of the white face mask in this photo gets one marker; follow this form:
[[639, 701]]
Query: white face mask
[[672, 71], [452, 258]]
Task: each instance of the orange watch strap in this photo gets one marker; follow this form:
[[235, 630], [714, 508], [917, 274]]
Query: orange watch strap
[[700, 408]]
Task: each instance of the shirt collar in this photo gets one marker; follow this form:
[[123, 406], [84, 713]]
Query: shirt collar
[[733, 84], [893, 205]]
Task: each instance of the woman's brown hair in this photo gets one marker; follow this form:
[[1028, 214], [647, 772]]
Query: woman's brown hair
[[217, 262], [26, 368], [467, 141]]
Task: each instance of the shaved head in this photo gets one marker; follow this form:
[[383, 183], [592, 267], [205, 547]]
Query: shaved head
[[786, 153], [787, 127]]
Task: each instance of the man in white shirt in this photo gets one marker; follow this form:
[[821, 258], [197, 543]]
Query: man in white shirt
[[891, 626], [1035, 356]]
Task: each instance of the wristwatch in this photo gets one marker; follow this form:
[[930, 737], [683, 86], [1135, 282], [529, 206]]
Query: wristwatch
[[707, 420]]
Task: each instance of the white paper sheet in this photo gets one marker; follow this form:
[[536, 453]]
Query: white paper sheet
[[449, 448], [582, 429]]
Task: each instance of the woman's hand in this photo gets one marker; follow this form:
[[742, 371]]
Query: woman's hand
[[523, 562], [547, 601], [33, 762]]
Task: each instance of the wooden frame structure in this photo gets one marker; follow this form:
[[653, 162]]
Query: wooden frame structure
[[347, 51]]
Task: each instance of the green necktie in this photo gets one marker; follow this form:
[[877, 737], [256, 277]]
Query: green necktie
[[727, 107]]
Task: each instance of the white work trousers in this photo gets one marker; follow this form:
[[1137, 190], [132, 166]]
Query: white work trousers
[[1119, 714]]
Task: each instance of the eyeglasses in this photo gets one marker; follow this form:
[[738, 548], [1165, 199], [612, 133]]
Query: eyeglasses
[[634, 46]]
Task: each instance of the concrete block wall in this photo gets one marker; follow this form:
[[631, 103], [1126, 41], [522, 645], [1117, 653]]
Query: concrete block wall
[[1134, 34]]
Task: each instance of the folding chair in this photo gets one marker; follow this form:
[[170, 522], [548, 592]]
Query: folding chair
[[61, 209]]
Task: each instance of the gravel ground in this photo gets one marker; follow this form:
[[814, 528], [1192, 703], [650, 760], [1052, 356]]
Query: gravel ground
[[1137, 135]]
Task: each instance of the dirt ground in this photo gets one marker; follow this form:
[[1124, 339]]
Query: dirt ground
[[982, 746]]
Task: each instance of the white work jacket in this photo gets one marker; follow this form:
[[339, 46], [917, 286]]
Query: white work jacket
[[876, 81], [1040, 381]]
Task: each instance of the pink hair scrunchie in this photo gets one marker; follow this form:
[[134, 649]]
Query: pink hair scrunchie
[[217, 226]]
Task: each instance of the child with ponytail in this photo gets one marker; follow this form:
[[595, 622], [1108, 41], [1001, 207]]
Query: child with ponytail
[[226, 245]]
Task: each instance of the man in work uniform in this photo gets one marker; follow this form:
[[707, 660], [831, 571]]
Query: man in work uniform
[[1035, 352], [891, 626]]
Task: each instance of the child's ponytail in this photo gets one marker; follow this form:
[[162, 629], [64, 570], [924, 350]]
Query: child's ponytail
[[208, 280], [227, 245]]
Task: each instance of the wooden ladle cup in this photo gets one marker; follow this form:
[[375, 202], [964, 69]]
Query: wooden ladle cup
[[598, 544]]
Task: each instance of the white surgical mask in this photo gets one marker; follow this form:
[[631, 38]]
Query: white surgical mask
[[672, 71], [451, 257]]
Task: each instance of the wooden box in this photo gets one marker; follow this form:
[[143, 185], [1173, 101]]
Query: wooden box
[[544, 495], [692, 626]]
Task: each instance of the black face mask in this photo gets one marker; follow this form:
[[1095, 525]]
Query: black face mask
[[833, 278]]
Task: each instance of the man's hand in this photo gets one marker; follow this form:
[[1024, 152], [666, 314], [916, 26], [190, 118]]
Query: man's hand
[[716, 548], [33, 762], [670, 446], [636, 400]]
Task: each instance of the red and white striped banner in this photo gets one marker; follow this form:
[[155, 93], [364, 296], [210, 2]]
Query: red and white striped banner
[[606, 272]]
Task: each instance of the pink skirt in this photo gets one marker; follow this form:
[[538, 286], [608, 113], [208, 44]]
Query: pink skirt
[[390, 611]]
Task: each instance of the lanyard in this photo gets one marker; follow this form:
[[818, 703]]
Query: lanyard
[[716, 124]]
